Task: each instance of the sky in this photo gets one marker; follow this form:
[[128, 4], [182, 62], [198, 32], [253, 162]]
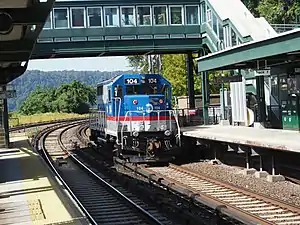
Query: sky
[[92, 63]]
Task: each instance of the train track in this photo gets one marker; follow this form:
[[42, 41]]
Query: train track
[[237, 203], [99, 200]]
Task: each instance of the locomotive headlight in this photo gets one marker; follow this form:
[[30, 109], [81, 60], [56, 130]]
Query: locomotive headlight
[[167, 133], [142, 127], [135, 133], [163, 127]]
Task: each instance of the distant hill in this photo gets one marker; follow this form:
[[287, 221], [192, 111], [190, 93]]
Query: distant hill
[[33, 78]]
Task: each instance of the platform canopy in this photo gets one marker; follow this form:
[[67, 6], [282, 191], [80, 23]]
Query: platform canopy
[[21, 22], [281, 49]]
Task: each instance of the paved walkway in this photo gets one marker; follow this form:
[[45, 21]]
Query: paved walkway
[[269, 138], [28, 192]]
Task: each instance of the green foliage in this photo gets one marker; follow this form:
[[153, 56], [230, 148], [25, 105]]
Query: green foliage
[[69, 98], [31, 79], [274, 12], [174, 70]]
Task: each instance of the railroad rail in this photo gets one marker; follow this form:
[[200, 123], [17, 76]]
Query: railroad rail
[[99, 200], [29, 125], [237, 203]]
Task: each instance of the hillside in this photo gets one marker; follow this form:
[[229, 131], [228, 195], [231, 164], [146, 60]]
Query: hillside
[[33, 78]]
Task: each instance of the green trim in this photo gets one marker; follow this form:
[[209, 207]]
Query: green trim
[[254, 51]]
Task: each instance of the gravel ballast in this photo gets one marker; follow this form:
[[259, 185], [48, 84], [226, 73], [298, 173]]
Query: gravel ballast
[[284, 190]]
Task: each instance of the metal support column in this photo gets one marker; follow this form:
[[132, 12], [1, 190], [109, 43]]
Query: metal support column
[[260, 91], [190, 79], [205, 96], [5, 119]]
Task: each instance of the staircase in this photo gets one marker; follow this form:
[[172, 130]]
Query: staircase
[[227, 28]]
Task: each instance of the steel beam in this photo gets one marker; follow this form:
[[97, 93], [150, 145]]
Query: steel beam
[[205, 96], [260, 91], [190, 79]]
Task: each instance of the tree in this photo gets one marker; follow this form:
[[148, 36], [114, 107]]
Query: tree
[[75, 97], [252, 6], [279, 11], [38, 101], [69, 98], [174, 70]]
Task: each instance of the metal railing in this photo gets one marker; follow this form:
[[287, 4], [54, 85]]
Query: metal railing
[[190, 117], [280, 28]]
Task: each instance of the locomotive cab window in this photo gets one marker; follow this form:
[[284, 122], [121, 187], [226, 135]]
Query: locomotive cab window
[[118, 91], [165, 91], [100, 90], [109, 95], [132, 90]]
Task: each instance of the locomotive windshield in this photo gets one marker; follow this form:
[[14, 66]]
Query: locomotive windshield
[[142, 89]]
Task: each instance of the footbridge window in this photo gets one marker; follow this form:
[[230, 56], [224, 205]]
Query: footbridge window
[[78, 17], [215, 23], [48, 24], [143, 15], [209, 16], [94, 15], [61, 18], [176, 15], [203, 12], [192, 14], [127, 16], [160, 15], [111, 16], [221, 33], [233, 38]]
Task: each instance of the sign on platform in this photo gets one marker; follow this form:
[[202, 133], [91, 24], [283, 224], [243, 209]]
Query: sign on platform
[[8, 94], [230, 79], [263, 72]]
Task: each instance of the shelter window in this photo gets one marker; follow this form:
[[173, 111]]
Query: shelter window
[[111, 16], [48, 23], [61, 18], [100, 90], [143, 15], [94, 17], [127, 16], [78, 17], [160, 15], [192, 14], [175, 14]]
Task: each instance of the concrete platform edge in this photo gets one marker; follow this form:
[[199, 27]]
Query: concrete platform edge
[[55, 179]]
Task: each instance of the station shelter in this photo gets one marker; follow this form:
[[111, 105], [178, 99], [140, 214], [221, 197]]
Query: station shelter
[[274, 65]]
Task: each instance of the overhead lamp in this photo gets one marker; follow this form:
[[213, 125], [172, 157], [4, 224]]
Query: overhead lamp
[[6, 23]]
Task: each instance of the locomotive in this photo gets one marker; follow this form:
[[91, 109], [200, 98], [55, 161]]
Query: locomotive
[[134, 116]]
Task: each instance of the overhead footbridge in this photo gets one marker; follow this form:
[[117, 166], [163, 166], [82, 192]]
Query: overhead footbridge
[[109, 28]]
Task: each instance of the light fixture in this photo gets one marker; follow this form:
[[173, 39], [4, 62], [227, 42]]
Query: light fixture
[[6, 23]]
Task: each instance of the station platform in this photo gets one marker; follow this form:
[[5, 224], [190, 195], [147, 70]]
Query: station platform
[[28, 192], [283, 140]]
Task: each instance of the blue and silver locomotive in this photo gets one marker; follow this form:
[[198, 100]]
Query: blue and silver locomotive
[[135, 116]]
